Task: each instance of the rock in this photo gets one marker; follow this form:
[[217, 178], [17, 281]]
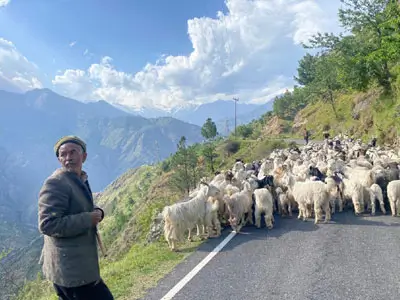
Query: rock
[[156, 229]]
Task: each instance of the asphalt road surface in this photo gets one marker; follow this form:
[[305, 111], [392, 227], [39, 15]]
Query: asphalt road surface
[[349, 258]]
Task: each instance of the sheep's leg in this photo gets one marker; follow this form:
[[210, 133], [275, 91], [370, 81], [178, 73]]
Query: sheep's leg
[[327, 210], [257, 216], [393, 207], [341, 203], [318, 214], [279, 208], [173, 243], [309, 211], [250, 216], [290, 208], [332, 204], [217, 225], [301, 212], [382, 205], [373, 205], [269, 220], [190, 235], [397, 206]]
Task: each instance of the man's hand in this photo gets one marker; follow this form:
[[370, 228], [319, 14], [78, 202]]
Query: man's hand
[[96, 217]]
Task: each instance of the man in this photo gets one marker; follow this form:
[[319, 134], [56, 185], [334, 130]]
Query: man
[[68, 220], [306, 135]]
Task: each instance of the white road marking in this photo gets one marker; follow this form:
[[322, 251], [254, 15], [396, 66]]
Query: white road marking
[[196, 269]]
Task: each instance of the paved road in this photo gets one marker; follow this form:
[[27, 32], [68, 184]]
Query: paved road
[[349, 259]]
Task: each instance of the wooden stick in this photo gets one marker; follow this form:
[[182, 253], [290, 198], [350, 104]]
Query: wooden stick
[[100, 242]]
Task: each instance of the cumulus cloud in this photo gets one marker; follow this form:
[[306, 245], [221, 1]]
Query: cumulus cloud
[[249, 52], [4, 2], [16, 72]]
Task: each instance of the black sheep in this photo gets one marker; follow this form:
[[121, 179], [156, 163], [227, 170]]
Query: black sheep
[[313, 171]]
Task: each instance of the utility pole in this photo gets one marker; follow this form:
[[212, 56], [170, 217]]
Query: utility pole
[[227, 127], [157, 151], [236, 100]]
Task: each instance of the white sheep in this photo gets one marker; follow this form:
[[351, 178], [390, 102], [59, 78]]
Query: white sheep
[[211, 218], [314, 193], [283, 202], [393, 193], [264, 204], [377, 194], [238, 204], [183, 216]]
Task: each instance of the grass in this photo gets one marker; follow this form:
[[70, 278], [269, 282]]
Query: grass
[[379, 118], [128, 277]]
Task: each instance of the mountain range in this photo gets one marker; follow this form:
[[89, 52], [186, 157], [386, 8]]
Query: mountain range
[[222, 112], [31, 123]]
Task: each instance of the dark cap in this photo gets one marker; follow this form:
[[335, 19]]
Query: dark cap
[[69, 139]]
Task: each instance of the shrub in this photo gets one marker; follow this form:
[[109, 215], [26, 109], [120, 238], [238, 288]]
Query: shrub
[[232, 147]]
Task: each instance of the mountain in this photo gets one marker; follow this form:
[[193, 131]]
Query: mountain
[[225, 126], [219, 111], [32, 122]]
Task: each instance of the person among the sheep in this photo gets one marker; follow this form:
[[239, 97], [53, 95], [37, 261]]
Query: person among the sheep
[[68, 218], [306, 135], [326, 134]]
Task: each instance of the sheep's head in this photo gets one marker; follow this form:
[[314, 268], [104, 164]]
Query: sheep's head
[[266, 181], [213, 191], [229, 176]]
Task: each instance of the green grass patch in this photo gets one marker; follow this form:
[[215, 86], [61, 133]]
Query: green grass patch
[[128, 277]]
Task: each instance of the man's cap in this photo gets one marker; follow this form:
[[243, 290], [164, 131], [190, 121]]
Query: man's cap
[[69, 139]]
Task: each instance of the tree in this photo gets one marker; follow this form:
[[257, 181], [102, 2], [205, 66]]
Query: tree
[[244, 130], [184, 163], [210, 154], [326, 80], [209, 129], [370, 25], [306, 69]]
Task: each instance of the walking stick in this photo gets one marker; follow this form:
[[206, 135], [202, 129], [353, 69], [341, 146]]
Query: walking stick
[[100, 242]]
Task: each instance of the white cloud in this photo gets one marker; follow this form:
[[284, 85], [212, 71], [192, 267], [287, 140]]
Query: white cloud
[[4, 2], [16, 72], [250, 52], [72, 44]]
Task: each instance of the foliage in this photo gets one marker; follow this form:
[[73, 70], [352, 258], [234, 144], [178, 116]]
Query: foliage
[[231, 147], [209, 129], [244, 131], [210, 155], [287, 105], [186, 172]]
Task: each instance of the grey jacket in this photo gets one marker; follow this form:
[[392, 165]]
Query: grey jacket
[[69, 254]]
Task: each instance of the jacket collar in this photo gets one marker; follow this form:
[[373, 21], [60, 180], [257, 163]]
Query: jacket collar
[[81, 181]]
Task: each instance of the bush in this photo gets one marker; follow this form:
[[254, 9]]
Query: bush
[[232, 147], [244, 131], [166, 166]]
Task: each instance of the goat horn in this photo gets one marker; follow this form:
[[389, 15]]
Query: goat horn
[[205, 183]]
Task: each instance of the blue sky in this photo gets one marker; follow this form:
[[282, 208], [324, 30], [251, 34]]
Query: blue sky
[[110, 49]]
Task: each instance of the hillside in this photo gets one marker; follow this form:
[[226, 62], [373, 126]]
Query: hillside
[[359, 114]]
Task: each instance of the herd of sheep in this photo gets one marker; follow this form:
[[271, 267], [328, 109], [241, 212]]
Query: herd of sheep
[[314, 179]]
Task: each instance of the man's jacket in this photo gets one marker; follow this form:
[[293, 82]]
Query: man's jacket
[[69, 254]]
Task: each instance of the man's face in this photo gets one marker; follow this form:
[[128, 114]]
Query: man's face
[[71, 157]]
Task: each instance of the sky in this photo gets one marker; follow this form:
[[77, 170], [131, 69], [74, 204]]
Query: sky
[[157, 53]]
